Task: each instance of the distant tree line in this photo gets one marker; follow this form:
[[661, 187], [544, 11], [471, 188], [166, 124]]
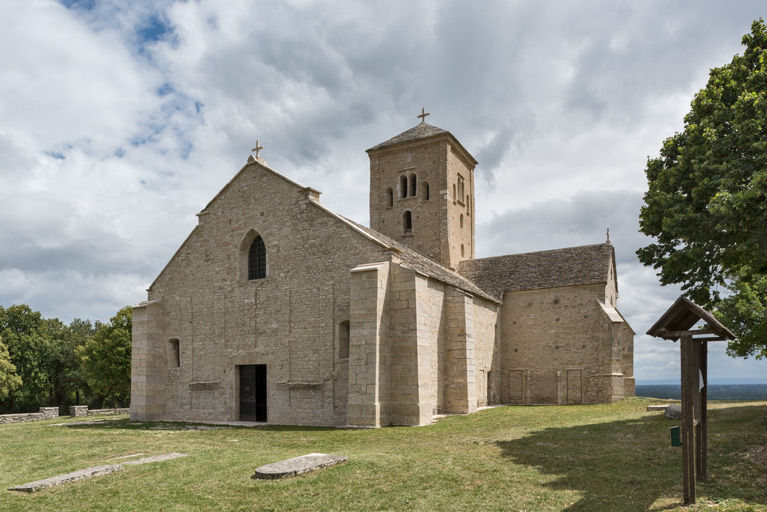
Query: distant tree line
[[44, 362]]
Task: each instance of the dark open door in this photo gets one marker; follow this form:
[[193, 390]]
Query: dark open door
[[253, 392]]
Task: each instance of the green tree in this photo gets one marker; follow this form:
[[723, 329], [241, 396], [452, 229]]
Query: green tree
[[106, 360], [9, 381], [706, 204], [28, 339]]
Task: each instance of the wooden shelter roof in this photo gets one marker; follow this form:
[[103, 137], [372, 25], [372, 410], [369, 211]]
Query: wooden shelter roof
[[682, 316]]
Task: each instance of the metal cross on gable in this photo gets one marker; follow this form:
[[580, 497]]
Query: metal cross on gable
[[423, 115], [257, 149]]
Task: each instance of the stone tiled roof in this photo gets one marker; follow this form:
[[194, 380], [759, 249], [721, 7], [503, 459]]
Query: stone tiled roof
[[419, 131], [426, 265], [587, 264]]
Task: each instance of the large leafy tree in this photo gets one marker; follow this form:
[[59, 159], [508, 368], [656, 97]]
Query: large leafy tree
[[707, 200], [9, 381], [106, 360], [27, 336]]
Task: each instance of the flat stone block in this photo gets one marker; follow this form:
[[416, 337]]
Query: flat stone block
[[657, 407], [298, 465], [154, 458], [68, 477]]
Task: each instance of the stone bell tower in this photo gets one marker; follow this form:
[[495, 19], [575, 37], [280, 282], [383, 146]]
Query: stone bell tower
[[422, 192]]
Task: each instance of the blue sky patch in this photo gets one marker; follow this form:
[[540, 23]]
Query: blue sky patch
[[85, 5], [165, 89], [154, 29], [56, 155]]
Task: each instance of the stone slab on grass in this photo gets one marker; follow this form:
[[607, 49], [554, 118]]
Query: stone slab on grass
[[154, 458], [298, 465], [91, 472], [68, 477], [657, 407]]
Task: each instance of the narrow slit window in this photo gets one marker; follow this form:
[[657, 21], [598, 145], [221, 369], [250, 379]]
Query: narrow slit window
[[408, 222], [413, 180], [343, 340], [460, 221], [390, 196], [174, 354], [403, 186], [426, 191], [257, 259]]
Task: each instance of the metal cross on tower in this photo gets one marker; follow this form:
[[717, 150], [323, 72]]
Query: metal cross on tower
[[423, 115]]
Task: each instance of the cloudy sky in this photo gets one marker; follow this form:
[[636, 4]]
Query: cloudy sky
[[120, 120]]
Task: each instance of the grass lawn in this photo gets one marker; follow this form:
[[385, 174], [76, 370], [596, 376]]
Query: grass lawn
[[614, 457]]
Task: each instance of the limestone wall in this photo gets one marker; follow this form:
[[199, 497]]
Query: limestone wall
[[487, 351], [288, 320], [442, 222], [559, 347]]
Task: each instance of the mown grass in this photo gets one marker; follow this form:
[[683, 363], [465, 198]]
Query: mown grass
[[603, 457]]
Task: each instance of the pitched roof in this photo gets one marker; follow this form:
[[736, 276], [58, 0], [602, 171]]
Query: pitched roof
[[420, 131], [682, 316], [587, 264], [426, 265]]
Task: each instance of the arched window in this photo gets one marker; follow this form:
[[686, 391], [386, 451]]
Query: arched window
[[257, 259], [407, 219], [174, 353], [403, 186], [412, 184], [343, 340], [460, 221], [426, 191], [455, 197], [390, 196]]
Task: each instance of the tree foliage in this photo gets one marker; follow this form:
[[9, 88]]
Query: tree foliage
[[42, 363], [706, 204], [106, 359], [9, 381]]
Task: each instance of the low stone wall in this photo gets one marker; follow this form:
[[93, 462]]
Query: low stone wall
[[94, 412], [78, 411], [46, 413]]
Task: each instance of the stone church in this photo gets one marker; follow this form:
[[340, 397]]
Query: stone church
[[276, 309]]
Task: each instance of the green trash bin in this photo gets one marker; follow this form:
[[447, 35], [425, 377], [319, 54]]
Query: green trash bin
[[676, 436]]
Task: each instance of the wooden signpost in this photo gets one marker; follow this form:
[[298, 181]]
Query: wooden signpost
[[677, 324]]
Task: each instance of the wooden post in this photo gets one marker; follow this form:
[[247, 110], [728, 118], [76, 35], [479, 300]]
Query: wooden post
[[688, 417], [702, 474]]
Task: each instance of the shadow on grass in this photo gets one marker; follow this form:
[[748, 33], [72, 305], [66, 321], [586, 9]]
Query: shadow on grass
[[629, 465]]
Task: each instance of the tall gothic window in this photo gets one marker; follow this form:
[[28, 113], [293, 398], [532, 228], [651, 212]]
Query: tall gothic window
[[257, 259], [408, 222], [412, 184], [403, 186]]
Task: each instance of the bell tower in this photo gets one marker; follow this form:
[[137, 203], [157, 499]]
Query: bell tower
[[422, 193]]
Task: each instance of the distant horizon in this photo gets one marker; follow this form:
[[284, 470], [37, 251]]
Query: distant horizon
[[671, 382]]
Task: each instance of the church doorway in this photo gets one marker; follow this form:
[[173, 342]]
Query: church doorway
[[252, 392]]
